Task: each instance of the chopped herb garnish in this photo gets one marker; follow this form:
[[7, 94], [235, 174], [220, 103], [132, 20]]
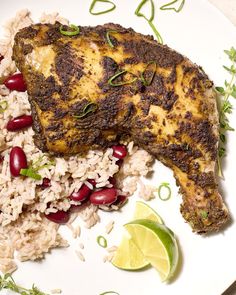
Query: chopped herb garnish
[[113, 6], [3, 106], [32, 170], [109, 292], [168, 6], [109, 39], [150, 18], [152, 65], [165, 185], [89, 108], [7, 283], [74, 30], [110, 81], [204, 214], [225, 106], [102, 242]]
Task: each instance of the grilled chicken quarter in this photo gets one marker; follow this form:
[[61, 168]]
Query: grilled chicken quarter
[[86, 92]]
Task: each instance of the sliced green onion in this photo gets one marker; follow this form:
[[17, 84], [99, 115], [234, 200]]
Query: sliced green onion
[[140, 6], [89, 108], [160, 191], [158, 35], [150, 19], [75, 31], [109, 292], [104, 11], [110, 81], [109, 39], [149, 82], [3, 106], [29, 172], [102, 242], [167, 6]]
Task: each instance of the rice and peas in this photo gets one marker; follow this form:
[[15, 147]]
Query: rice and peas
[[23, 201]]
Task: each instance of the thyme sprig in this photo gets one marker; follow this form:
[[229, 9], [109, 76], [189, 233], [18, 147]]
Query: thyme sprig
[[7, 283], [225, 106]]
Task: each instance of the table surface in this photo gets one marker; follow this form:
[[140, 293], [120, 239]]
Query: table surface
[[228, 7]]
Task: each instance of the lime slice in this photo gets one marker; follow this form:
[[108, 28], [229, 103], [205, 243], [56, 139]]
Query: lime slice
[[157, 244], [128, 256], [143, 211]]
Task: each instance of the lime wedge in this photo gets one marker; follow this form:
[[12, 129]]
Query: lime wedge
[[157, 244], [143, 211], [128, 256]]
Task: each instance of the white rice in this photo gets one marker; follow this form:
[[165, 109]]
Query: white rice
[[80, 255], [23, 227], [109, 226]]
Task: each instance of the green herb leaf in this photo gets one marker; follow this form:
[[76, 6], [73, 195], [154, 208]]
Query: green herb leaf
[[204, 214], [220, 90], [89, 108], [102, 242], [168, 6], [153, 66], [109, 39], [29, 172], [110, 81], [75, 30], [113, 6], [225, 105], [160, 191], [7, 283], [150, 18], [3, 106]]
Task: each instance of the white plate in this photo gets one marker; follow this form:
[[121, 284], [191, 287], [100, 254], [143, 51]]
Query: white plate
[[208, 266]]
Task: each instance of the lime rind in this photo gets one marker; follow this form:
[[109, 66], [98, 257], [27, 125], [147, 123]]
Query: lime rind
[[164, 237]]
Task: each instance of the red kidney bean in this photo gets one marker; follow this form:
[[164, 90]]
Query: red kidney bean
[[46, 183], [119, 151], [16, 82], [104, 197], [18, 160], [92, 181], [121, 200], [119, 163], [83, 193], [19, 123], [112, 181], [60, 217]]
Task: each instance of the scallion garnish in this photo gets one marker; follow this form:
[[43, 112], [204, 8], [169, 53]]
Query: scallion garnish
[[110, 81], [102, 242], [89, 108], [109, 292], [165, 185], [3, 106], [150, 19], [75, 30], [7, 283], [109, 39], [104, 11], [32, 170], [153, 66], [168, 6]]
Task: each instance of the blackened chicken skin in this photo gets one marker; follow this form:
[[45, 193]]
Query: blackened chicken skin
[[174, 118]]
